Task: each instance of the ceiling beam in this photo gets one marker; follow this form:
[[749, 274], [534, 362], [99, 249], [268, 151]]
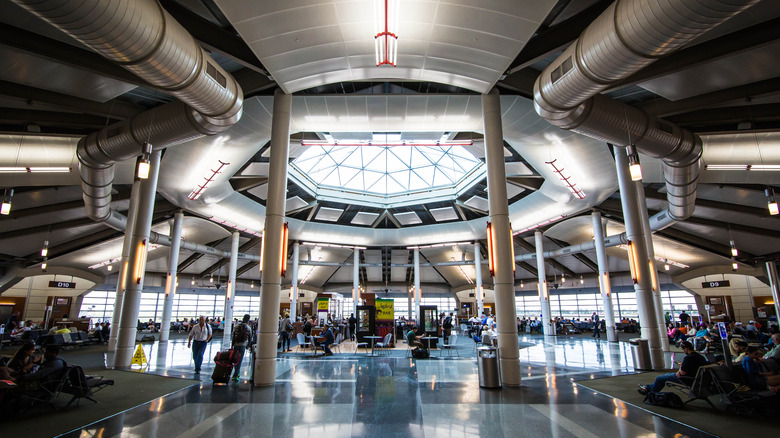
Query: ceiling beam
[[225, 260], [579, 256], [521, 82], [558, 37], [213, 37], [195, 257], [244, 269], [761, 213], [59, 207], [738, 95], [526, 182], [52, 119], [111, 109], [754, 37], [727, 115], [555, 264]]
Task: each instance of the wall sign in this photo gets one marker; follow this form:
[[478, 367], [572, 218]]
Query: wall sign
[[721, 283], [62, 284]]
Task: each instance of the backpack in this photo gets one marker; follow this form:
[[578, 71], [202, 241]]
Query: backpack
[[240, 334], [447, 323], [420, 353], [666, 399]]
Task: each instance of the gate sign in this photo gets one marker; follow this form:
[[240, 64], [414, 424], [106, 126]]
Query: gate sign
[[62, 284], [721, 283]]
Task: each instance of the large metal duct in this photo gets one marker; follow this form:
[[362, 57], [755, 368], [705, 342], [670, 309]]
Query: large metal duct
[[141, 37], [628, 36]]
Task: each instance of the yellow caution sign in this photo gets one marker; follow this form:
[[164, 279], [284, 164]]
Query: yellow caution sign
[[139, 358]]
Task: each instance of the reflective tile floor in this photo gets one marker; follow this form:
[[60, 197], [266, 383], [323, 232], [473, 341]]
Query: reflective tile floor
[[397, 397]]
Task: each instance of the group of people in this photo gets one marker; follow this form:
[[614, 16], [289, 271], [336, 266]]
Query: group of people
[[15, 328], [27, 370]]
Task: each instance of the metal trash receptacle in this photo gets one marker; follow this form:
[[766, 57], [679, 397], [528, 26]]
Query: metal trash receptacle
[[640, 351], [488, 366]]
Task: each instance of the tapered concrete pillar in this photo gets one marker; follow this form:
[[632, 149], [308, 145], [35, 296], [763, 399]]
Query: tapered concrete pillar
[[123, 262], [544, 291], [774, 284], [417, 291], [171, 279], [265, 362], [136, 268], [656, 285], [294, 283], [604, 284], [230, 290], [355, 280], [504, 279], [638, 257], [478, 281]]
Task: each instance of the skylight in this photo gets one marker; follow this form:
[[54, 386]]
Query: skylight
[[386, 170]]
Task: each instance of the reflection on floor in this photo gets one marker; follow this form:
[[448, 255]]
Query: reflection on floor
[[355, 396]]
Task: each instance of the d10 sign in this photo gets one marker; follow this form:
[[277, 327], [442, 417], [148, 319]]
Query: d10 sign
[[62, 284]]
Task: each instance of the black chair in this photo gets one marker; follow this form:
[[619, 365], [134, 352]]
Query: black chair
[[81, 386], [47, 391]]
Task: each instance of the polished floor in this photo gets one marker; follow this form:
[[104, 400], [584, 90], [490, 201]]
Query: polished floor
[[357, 396]]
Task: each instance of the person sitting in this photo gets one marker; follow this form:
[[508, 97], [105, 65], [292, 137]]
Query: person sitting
[[19, 332], [48, 370], [688, 368], [413, 339], [740, 353], [757, 379], [97, 332], [774, 352], [488, 336], [21, 364], [327, 333]]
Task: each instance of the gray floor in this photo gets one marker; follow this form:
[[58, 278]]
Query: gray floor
[[355, 396]]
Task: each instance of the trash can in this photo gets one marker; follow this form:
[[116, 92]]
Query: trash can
[[488, 366], [640, 351]]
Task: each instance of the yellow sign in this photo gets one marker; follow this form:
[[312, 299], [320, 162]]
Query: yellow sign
[[139, 358], [384, 310], [322, 304]]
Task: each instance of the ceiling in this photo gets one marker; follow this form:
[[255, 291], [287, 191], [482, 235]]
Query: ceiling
[[725, 86]]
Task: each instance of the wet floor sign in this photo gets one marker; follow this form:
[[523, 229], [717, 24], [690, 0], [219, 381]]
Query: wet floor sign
[[139, 358]]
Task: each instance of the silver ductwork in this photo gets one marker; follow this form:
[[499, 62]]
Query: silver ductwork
[[144, 39], [615, 240], [628, 36], [162, 239]]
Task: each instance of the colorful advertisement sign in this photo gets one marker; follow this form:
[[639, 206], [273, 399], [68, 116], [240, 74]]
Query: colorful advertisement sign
[[384, 309], [322, 304]]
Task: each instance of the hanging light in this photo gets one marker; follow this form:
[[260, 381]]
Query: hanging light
[[44, 265], [582, 280], [770, 194], [192, 282], [385, 36], [734, 251], [252, 285], [110, 268], [521, 285], [45, 249], [143, 163], [5, 206], [633, 163], [666, 265], [211, 279], [734, 265]]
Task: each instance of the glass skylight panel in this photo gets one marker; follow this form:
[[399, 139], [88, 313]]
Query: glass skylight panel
[[386, 169]]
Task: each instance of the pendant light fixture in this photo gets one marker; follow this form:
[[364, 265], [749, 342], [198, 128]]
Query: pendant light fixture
[[386, 28]]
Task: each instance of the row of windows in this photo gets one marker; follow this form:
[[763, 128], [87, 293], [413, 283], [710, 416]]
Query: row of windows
[[99, 305]]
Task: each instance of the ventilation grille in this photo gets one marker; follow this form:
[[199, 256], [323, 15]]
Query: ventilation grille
[[561, 70], [216, 75]]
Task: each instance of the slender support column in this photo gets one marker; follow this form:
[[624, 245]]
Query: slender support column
[[774, 284], [417, 291], [504, 278], [656, 285], [356, 281], [478, 281], [409, 299], [265, 363], [294, 284], [123, 262], [638, 254], [544, 292], [171, 279], [136, 268], [604, 285], [230, 290]]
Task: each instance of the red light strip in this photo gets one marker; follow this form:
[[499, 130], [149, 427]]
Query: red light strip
[[195, 194], [579, 194]]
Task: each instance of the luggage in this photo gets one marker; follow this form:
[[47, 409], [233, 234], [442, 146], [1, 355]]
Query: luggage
[[666, 399], [420, 353], [221, 373]]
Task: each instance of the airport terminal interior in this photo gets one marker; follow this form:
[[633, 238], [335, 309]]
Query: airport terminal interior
[[529, 185]]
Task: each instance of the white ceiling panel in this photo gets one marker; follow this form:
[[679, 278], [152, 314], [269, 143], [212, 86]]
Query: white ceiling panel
[[307, 43], [408, 218], [443, 214], [329, 214], [481, 203], [363, 218]]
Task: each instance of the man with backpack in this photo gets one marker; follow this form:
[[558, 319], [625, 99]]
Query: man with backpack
[[446, 327], [241, 336], [688, 368]]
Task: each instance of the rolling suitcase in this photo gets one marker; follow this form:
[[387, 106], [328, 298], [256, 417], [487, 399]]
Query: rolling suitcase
[[221, 373]]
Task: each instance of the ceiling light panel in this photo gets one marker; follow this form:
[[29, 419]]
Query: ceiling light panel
[[408, 218], [363, 218], [329, 214], [481, 204], [295, 203], [443, 214]]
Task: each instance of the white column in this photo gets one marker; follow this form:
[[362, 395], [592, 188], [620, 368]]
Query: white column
[[123, 262], [136, 268], [294, 284], [504, 278], [774, 284], [417, 291], [265, 362], [544, 292], [604, 285], [657, 303], [170, 280], [230, 290], [635, 235], [356, 280], [478, 281]]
